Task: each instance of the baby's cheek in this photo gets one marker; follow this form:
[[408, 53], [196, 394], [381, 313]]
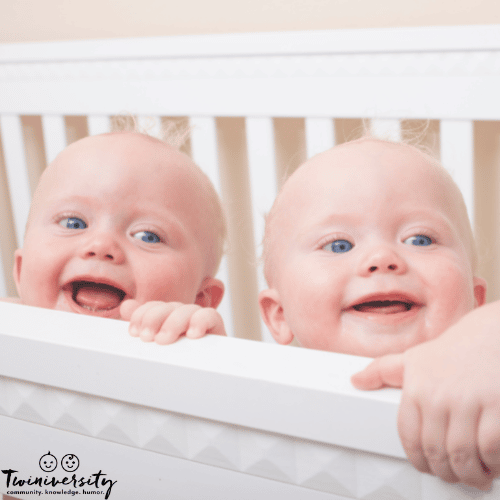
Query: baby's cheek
[[453, 291], [173, 280], [310, 305]]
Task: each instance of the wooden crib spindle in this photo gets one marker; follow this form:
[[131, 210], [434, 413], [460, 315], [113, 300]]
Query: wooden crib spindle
[[3, 284], [98, 124], [320, 135], [263, 185], [54, 136], [386, 128], [205, 155], [150, 125], [457, 156], [17, 171]]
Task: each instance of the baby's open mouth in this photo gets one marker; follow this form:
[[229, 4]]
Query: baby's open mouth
[[384, 306], [96, 296]]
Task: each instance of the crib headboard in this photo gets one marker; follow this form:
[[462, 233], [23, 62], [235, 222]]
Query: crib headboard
[[257, 106]]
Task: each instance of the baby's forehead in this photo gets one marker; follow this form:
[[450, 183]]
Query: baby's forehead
[[361, 165], [369, 156], [124, 155]]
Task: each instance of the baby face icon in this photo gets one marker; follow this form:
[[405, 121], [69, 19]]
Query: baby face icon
[[48, 462], [70, 462]]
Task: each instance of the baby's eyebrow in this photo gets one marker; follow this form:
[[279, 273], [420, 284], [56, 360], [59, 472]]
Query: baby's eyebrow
[[336, 219], [346, 221], [434, 216]]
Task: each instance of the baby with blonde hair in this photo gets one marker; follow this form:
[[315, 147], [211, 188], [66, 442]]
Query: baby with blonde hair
[[124, 226], [368, 250]]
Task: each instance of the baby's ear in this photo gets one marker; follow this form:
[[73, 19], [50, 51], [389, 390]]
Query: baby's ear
[[479, 291], [274, 316], [210, 293], [18, 260]]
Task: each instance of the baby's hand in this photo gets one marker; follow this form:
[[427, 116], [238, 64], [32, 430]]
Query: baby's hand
[[165, 322], [449, 417]]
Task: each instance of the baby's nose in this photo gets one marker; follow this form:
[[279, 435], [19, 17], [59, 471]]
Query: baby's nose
[[103, 247], [382, 260]]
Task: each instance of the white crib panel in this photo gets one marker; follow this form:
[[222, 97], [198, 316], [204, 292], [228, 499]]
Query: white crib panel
[[386, 129], [457, 156], [320, 135], [139, 474], [231, 413], [17, 171], [54, 136], [98, 124], [205, 155], [150, 125], [263, 186]]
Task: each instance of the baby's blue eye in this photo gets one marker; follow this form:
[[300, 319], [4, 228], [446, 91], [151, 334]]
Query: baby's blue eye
[[339, 246], [147, 236], [419, 240], [73, 223]]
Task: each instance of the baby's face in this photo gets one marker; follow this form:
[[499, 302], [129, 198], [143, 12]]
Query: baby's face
[[115, 217], [370, 253]]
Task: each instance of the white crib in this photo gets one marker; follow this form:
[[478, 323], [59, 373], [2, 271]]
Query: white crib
[[227, 418]]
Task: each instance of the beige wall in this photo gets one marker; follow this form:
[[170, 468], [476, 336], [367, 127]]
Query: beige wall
[[37, 20]]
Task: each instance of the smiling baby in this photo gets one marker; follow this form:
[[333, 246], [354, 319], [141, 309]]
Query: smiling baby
[[123, 225], [368, 250]]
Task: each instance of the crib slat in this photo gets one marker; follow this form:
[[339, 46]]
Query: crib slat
[[150, 125], [17, 171], [98, 124], [320, 135], [3, 284], [457, 156], [205, 154], [54, 136], [386, 129], [263, 185]]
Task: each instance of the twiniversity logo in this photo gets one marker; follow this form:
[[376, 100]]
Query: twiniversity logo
[[95, 484]]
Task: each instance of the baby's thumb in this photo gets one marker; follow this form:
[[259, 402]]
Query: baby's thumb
[[127, 307], [382, 372]]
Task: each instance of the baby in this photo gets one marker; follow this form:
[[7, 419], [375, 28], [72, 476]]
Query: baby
[[124, 226], [368, 250]]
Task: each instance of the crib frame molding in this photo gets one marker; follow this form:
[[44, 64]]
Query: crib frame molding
[[242, 74]]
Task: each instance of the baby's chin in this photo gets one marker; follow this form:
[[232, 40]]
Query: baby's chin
[[370, 340]]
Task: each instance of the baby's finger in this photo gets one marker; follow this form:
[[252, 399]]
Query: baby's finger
[[410, 432], [385, 371], [488, 438], [176, 324], [434, 431], [462, 449], [147, 319], [127, 307], [205, 320]]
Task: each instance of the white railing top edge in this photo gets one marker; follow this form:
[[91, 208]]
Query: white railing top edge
[[406, 39], [286, 390]]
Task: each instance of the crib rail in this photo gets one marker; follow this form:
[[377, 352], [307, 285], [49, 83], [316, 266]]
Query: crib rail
[[215, 418]]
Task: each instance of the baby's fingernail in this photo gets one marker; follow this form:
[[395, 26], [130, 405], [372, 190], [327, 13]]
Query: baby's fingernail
[[163, 338], [147, 335], [133, 331]]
